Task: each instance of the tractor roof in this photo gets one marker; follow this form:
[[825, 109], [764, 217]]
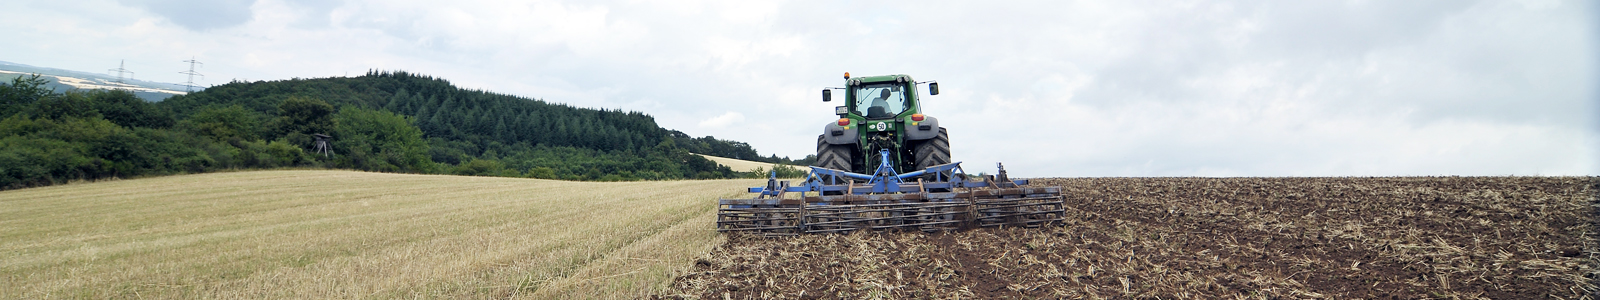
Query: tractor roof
[[881, 78]]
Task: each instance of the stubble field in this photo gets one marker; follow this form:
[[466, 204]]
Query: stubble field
[[1209, 238], [317, 234]]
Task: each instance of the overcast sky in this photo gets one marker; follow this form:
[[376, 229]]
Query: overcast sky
[[1051, 88]]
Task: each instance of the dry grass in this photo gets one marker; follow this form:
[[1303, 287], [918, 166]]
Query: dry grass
[[1210, 238], [739, 165], [342, 234]]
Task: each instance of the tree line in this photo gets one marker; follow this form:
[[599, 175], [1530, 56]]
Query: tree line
[[382, 121]]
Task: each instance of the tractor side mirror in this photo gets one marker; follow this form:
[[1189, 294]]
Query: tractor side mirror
[[933, 88], [827, 95]]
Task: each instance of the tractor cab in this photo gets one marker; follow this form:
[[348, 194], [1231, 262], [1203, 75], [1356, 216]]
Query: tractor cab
[[879, 100], [879, 97], [882, 113]]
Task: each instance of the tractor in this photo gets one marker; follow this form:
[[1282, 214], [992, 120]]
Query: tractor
[[885, 165], [882, 113]]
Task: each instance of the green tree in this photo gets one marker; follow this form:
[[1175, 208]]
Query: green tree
[[224, 123], [22, 92], [301, 117], [69, 105], [44, 151], [27, 161], [124, 108], [379, 141], [304, 115]]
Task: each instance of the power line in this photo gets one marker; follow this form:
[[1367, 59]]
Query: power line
[[120, 70], [189, 86]]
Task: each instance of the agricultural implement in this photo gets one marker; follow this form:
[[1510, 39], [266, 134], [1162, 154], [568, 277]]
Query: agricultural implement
[[937, 198], [885, 165]]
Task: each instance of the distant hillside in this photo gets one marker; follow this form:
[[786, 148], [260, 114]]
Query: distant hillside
[[65, 80], [486, 120], [382, 121]]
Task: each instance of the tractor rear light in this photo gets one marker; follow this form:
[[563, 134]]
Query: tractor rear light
[[916, 117], [844, 122]]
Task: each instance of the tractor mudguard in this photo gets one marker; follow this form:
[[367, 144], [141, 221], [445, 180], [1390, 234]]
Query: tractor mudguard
[[926, 129], [834, 134]]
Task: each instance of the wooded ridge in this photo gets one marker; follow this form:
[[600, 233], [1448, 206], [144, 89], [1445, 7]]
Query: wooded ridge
[[382, 121]]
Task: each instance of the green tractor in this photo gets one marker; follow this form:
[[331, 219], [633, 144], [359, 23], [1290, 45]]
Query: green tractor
[[882, 113], [885, 165]]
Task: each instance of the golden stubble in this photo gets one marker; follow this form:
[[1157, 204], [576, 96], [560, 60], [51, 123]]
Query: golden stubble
[[346, 234]]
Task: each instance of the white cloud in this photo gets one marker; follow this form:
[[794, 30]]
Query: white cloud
[[1049, 87], [198, 15], [723, 120]]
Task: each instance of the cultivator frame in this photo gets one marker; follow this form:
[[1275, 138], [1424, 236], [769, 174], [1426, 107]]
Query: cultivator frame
[[937, 198]]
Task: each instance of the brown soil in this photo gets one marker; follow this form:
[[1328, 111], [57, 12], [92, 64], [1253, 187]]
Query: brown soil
[[1261, 238]]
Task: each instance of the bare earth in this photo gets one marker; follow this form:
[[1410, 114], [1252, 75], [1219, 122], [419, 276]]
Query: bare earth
[[1208, 238]]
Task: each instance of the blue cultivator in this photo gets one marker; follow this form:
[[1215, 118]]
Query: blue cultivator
[[940, 197]]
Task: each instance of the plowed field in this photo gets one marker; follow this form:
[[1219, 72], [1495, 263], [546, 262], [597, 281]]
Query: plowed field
[[1341, 238]]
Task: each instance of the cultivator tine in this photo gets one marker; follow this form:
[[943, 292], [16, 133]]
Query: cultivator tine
[[922, 216], [769, 220], [1020, 211]]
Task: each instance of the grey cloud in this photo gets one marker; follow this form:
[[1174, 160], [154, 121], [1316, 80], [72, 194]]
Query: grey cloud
[[1342, 29], [199, 15], [1362, 64], [1250, 88], [1430, 62]]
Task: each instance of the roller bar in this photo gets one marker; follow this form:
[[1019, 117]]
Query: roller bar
[[936, 198]]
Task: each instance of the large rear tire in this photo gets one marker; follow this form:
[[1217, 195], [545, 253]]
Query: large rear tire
[[934, 151], [835, 157]]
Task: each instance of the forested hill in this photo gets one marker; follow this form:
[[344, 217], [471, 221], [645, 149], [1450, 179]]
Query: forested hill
[[382, 121], [480, 119]]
